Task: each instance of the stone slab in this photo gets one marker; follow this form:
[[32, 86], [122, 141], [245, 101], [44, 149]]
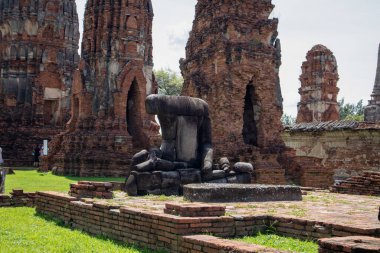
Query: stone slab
[[241, 193]]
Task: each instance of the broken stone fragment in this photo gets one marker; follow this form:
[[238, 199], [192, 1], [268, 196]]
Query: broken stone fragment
[[170, 179], [131, 186], [190, 176], [244, 178], [243, 167], [215, 174]]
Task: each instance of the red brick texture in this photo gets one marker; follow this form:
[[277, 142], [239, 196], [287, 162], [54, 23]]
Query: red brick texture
[[232, 62], [108, 119], [158, 230], [195, 210], [319, 89], [17, 199], [366, 184], [85, 189], [354, 244], [38, 57]]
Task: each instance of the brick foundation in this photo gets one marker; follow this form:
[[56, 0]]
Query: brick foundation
[[366, 184], [86, 189], [17, 198], [156, 230], [195, 210], [354, 244], [206, 243]]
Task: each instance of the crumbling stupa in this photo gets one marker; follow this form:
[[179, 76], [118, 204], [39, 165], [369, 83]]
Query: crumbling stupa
[[232, 62], [108, 118], [38, 56], [319, 89], [372, 111]]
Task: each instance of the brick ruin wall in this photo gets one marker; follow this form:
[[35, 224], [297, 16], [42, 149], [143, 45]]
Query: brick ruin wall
[[108, 119], [38, 56], [18, 198], [181, 234], [341, 154], [368, 183]]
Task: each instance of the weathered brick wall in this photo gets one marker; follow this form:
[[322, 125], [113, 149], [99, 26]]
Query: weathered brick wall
[[108, 119], [337, 154], [207, 243], [38, 56], [17, 199], [366, 184], [158, 230], [354, 244]]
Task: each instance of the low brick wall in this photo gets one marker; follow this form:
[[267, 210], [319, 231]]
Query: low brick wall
[[366, 184], [87, 189], [355, 244], [17, 198], [158, 230], [207, 243]]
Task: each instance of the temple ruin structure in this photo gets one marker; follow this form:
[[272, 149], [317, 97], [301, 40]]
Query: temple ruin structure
[[232, 62], [108, 116], [38, 56], [372, 111], [319, 89]]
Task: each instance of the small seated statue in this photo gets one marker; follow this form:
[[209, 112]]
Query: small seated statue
[[185, 155]]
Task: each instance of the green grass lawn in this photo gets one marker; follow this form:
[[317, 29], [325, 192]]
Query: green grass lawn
[[21, 230], [282, 243], [31, 181]]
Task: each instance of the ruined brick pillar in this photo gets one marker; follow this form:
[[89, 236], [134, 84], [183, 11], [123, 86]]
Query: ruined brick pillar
[[232, 61], [319, 89], [108, 118], [372, 111], [38, 56]]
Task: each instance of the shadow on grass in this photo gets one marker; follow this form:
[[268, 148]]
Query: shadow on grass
[[61, 223]]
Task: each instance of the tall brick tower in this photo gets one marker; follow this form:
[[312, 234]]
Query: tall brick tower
[[38, 56], [232, 61], [319, 89], [108, 119], [372, 111]]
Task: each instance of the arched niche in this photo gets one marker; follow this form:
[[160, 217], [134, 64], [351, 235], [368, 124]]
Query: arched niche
[[133, 110], [250, 116]]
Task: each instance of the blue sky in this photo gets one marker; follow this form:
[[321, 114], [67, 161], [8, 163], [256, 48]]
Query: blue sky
[[350, 28]]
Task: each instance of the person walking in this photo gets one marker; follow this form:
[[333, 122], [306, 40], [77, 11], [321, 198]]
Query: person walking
[[37, 153], [2, 172], [1, 157]]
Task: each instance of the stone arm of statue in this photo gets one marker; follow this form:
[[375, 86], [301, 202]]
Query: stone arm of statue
[[207, 151]]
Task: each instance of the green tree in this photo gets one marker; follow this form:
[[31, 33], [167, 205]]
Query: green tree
[[169, 82], [288, 120], [350, 111]]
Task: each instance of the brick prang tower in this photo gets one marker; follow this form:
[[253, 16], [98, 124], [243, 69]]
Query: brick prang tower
[[38, 56], [108, 119], [232, 61], [319, 89]]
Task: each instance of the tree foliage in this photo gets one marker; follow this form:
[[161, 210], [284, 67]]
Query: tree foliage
[[169, 82], [350, 111], [288, 120]]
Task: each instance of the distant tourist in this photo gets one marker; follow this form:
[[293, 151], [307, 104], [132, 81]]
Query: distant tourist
[[37, 153], [1, 157]]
